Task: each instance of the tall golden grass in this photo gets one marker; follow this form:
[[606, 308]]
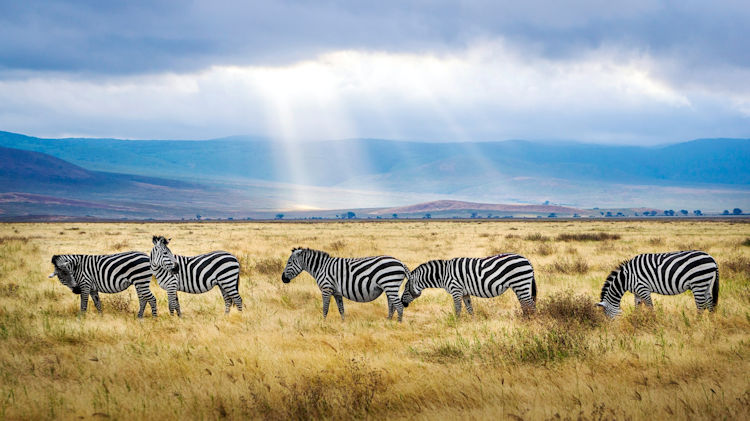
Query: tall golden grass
[[280, 360]]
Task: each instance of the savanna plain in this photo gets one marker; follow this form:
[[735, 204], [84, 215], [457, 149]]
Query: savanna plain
[[278, 359]]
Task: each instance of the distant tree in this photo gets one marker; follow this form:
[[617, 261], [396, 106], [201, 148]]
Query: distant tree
[[546, 203], [279, 216], [737, 211], [684, 212], [473, 215], [575, 215], [489, 215], [427, 216], [395, 216], [230, 219], [620, 214], [552, 215], [697, 212], [726, 212], [601, 213], [669, 212], [350, 215], [609, 214], [198, 216]]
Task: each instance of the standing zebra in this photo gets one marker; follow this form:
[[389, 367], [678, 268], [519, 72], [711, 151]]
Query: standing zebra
[[665, 273], [360, 279], [483, 277], [88, 275], [195, 274]]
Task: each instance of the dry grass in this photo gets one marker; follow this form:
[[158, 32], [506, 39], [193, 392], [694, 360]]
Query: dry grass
[[575, 265], [587, 236], [279, 360]]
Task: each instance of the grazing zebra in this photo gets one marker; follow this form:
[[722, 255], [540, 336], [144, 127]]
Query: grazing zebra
[[483, 277], [664, 273], [195, 274], [360, 279], [88, 275]]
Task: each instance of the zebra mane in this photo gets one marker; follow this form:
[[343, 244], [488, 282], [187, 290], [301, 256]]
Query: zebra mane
[[612, 276], [160, 238], [313, 251]]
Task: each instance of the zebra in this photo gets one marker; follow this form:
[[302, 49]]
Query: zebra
[[360, 279], [87, 275], [485, 277], [664, 273], [195, 274]]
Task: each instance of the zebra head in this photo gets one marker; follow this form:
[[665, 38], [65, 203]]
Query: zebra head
[[411, 291], [612, 291], [162, 257], [293, 266], [64, 271]]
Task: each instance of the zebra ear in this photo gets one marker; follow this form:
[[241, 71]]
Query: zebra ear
[[155, 239], [54, 258], [602, 304], [167, 240]]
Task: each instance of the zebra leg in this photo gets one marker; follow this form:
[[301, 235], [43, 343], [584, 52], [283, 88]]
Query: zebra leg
[[340, 303], [97, 302], [394, 303], [237, 301], [145, 296], [523, 293], [177, 305], [467, 303], [84, 300], [702, 299], [230, 293], [647, 301], [326, 302], [457, 304], [227, 299], [174, 303]]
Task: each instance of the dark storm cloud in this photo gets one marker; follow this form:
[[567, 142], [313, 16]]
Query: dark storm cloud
[[154, 36]]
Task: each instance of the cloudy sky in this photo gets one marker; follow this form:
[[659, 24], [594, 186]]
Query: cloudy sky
[[635, 72]]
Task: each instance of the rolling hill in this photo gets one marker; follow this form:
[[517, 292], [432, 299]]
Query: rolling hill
[[239, 176]]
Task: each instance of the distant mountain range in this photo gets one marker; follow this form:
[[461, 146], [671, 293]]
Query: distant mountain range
[[247, 177]]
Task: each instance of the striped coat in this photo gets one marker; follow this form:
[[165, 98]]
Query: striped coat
[[360, 279], [464, 277], [88, 275], [663, 273]]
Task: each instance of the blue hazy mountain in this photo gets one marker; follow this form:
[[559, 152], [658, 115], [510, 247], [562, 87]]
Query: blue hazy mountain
[[258, 173], [327, 163]]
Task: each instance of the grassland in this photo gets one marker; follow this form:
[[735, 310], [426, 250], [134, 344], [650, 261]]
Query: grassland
[[279, 360]]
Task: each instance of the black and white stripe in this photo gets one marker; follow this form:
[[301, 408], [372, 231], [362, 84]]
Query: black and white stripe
[[88, 275], [665, 273], [195, 274], [360, 279], [464, 277]]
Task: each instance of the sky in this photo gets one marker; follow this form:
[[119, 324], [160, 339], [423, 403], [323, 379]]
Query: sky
[[624, 72]]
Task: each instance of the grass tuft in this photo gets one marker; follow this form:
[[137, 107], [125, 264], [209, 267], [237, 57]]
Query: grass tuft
[[575, 265], [571, 309], [269, 266], [588, 236], [536, 237]]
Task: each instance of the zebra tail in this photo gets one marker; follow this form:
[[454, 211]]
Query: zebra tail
[[715, 290], [406, 269], [533, 289]]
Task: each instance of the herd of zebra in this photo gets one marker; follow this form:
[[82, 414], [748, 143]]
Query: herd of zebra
[[364, 279]]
